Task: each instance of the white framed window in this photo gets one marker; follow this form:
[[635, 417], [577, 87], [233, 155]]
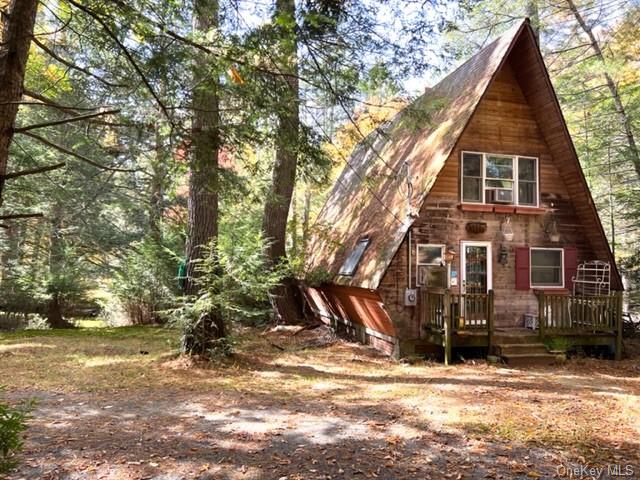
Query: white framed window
[[547, 267], [431, 270], [499, 179]]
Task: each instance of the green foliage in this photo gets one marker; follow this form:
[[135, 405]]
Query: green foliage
[[235, 282], [201, 335], [558, 344], [143, 286], [12, 424], [318, 276]]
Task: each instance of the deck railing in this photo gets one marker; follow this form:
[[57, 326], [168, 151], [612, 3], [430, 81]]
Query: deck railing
[[467, 311], [442, 311], [575, 314]]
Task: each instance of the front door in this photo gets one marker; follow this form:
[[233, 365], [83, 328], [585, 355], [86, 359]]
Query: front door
[[475, 265]]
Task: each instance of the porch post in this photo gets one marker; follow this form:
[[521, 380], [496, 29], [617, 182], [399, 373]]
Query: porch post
[[619, 326], [541, 314], [447, 326], [490, 320]]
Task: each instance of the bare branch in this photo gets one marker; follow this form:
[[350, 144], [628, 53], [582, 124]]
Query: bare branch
[[52, 103], [33, 171], [72, 65], [14, 216], [126, 53], [66, 120], [47, 102], [64, 150]]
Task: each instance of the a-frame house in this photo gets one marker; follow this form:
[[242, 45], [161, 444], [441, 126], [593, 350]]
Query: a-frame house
[[466, 221]]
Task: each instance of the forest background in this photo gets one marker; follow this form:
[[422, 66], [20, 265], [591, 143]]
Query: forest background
[[165, 161]]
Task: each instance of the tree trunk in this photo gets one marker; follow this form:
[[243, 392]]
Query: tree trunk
[[158, 178], [306, 218], [278, 202], [9, 256], [56, 265], [203, 175], [293, 227], [15, 39], [54, 314], [613, 89]]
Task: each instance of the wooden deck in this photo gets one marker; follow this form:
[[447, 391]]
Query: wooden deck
[[454, 320]]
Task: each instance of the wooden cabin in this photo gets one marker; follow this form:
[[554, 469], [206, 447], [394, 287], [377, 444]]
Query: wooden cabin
[[466, 221]]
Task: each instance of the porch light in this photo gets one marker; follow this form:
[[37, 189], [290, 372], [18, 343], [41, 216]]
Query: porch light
[[552, 231], [504, 255], [507, 231], [449, 254]]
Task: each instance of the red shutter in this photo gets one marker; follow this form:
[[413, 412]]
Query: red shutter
[[570, 266], [523, 276]]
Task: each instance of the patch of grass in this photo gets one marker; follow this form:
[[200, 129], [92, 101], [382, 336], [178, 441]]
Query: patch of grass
[[575, 435], [475, 428], [85, 358], [89, 323], [114, 333], [558, 344]]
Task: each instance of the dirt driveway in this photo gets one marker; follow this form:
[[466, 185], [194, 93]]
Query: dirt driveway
[[117, 405]]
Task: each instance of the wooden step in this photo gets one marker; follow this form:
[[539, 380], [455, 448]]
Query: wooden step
[[524, 359], [500, 338], [520, 348]]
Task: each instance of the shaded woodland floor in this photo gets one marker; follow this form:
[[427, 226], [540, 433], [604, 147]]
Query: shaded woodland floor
[[117, 404]]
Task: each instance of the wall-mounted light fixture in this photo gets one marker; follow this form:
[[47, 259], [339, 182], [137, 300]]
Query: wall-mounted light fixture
[[449, 254], [552, 231], [504, 255]]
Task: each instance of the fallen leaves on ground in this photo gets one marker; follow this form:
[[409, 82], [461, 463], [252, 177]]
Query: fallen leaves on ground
[[316, 408]]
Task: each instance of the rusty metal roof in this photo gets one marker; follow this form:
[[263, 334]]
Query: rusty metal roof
[[370, 197]]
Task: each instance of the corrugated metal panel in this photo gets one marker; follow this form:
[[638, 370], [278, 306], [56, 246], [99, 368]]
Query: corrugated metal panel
[[354, 304], [370, 198]]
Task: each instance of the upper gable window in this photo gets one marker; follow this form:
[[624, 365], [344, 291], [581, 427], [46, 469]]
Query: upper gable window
[[501, 179], [350, 265]]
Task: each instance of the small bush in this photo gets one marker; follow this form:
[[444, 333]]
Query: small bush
[[558, 344], [144, 286], [12, 424], [37, 322], [235, 281]]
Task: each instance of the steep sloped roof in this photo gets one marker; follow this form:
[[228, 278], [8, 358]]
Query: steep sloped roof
[[370, 196]]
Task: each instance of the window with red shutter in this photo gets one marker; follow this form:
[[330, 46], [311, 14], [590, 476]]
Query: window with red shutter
[[523, 281]]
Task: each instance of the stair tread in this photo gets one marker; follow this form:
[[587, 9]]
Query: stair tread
[[524, 355]]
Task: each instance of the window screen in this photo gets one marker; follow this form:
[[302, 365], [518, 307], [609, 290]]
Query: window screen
[[430, 254], [505, 179], [472, 177], [527, 184], [432, 276], [430, 269], [546, 267]]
